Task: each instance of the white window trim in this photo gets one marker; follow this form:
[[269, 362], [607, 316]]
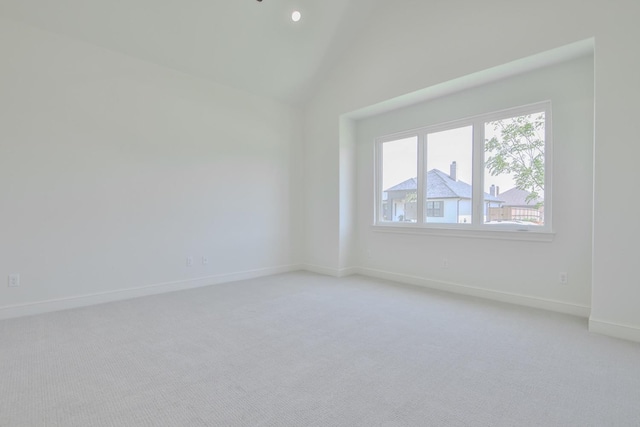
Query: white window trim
[[476, 228]]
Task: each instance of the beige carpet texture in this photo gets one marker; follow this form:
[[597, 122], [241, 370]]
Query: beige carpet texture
[[301, 349]]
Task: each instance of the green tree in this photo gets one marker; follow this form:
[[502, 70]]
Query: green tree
[[411, 197], [519, 151]]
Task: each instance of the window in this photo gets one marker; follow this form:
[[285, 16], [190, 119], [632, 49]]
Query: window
[[435, 209], [448, 160], [488, 172], [514, 160], [399, 171]]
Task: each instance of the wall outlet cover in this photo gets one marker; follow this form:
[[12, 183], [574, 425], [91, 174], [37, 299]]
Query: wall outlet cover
[[14, 280]]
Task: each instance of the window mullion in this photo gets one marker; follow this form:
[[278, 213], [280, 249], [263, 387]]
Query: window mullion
[[478, 176], [420, 200], [378, 183]]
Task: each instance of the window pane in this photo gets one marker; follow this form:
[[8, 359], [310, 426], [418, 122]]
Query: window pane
[[449, 176], [514, 170], [399, 184]]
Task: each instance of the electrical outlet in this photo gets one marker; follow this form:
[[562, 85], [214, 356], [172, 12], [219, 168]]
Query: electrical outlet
[[445, 262], [14, 280], [189, 261], [205, 260], [563, 278]]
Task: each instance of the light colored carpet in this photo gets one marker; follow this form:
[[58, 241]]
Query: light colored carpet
[[307, 350]]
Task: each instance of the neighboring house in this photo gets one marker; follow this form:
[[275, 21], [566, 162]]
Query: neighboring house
[[399, 203], [516, 207], [448, 200]]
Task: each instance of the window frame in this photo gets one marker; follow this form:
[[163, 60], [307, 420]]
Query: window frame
[[477, 227]]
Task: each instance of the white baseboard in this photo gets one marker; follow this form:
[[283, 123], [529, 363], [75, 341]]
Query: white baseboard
[[528, 301], [626, 332], [328, 271], [621, 331], [349, 271], [40, 307]]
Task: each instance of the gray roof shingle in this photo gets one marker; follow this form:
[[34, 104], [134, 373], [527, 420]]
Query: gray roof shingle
[[441, 186], [518, 197]]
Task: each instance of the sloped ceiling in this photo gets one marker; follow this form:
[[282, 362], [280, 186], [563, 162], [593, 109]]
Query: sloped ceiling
[[249, 45]]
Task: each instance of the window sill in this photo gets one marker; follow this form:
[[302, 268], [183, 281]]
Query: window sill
[[502, 234]]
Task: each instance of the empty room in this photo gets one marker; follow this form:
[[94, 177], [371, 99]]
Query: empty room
[[319, 213]]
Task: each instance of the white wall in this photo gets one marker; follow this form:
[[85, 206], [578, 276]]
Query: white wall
[[524, 268], [410, 45], [348, 196], [114, 170], [616, 282]]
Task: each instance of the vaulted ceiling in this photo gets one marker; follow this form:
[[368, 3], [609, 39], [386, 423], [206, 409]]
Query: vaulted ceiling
[[246, 44]]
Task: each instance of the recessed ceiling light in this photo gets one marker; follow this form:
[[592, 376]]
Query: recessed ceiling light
[[295, 16]]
